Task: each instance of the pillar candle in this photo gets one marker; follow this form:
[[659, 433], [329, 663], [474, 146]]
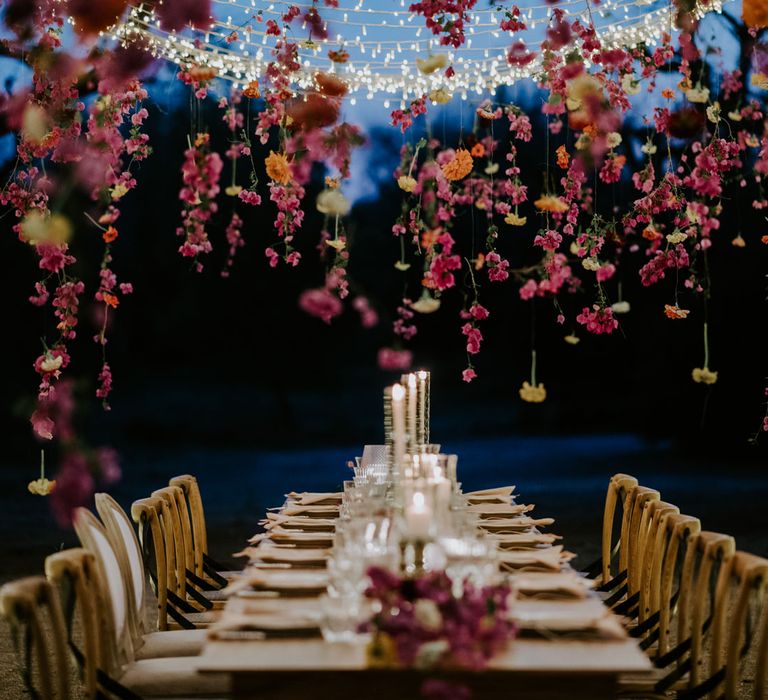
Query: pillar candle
[[398, 426], [411, 403], [422, 412], [418, 517]]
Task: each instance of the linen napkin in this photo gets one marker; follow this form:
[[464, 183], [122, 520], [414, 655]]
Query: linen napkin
[[311, 511], [306, 498], [550, 558], [499, 510], [549, 585], [298, 521], [498, 491], [286, 556], [267, 624], [300, 538], [524, 540], [290, 581], [521, 524]]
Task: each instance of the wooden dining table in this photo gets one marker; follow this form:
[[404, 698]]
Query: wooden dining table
[[537, 665]]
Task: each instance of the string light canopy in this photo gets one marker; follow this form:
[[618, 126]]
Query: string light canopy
[[389, 51]]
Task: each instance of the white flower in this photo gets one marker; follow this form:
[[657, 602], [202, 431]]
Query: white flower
[[620, 307], [574, 248], [51, 363], [704, 375], [337, 244], [426, 304], [572, 339], [37, 227], [333, 203], [440, 96], [432, 63], [613, 139], [676, 237], [430, 653], [428, 614], [591, 264], [698, 94], [491, 168], [734, 116], [406, 183], [649, 148], [402, 266], [34, 122], [629, 84], [713, 112]]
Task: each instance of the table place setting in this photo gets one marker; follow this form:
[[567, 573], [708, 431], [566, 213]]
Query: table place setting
[[402, 570]]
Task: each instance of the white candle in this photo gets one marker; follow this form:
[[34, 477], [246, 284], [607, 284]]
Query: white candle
[[412, 411], [398, 426], [418, 517], [422, 375]]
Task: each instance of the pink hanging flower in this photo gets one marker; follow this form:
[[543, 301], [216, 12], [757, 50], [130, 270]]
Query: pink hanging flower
[[321, 303], [468, 375], [391, 359], [598, 320]]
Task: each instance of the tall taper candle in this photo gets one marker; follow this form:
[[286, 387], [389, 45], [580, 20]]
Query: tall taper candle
[[388, 420], [412, 413], [422, 412], [398, 426]]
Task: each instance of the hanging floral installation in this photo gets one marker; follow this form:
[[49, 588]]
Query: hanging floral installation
[[281, 74]]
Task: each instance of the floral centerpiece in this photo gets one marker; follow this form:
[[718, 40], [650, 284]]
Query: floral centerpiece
[[420, 623]]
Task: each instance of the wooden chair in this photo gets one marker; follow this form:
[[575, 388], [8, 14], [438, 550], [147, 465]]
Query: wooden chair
[[624, 598], [602, 569], [129, 679], [205, 566], [74, 572], [704, 555], [27, 604], [153, 517], [744, 584], [146, 644]]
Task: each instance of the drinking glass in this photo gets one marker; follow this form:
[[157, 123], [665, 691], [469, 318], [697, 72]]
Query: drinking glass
[[341, 617]]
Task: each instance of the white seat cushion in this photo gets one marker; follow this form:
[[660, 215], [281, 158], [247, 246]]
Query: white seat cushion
[[173, 677], [172, 643]]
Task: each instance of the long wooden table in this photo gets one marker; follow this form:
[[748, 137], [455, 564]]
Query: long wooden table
[[555, 668]]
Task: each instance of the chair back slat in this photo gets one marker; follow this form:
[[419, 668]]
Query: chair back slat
[[650, 551], [638, 499], [25, 604], [176, 553]]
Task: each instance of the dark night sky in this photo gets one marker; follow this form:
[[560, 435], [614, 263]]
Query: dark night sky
[[234, 361]]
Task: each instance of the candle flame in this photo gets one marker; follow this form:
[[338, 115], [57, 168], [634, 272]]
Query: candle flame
[[398, 392], [422, 374], [411, 381], [418, 499]]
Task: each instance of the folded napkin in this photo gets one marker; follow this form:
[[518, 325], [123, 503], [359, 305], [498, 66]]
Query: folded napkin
[[550, 558], [298, 521], [514, 524], [300, 538], [311, 511], [238, 627], [498, 491], [306, 498], [287, 556], [290, 581], [499, 510], [549, 585], [523, 540]]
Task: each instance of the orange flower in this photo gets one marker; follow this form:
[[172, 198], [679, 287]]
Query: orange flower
[[201, 139], [651, 233], [551, 203], [764, 239], [201, 74], [669, 93], [110, 234], [675, 312], [755, 13], [428, 238], [252, 91], [563, 159], [478, 150], [278, 168], [479, 261], [330, 85], [339, 56], [590, 130], [110, 299], [460, 166]]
